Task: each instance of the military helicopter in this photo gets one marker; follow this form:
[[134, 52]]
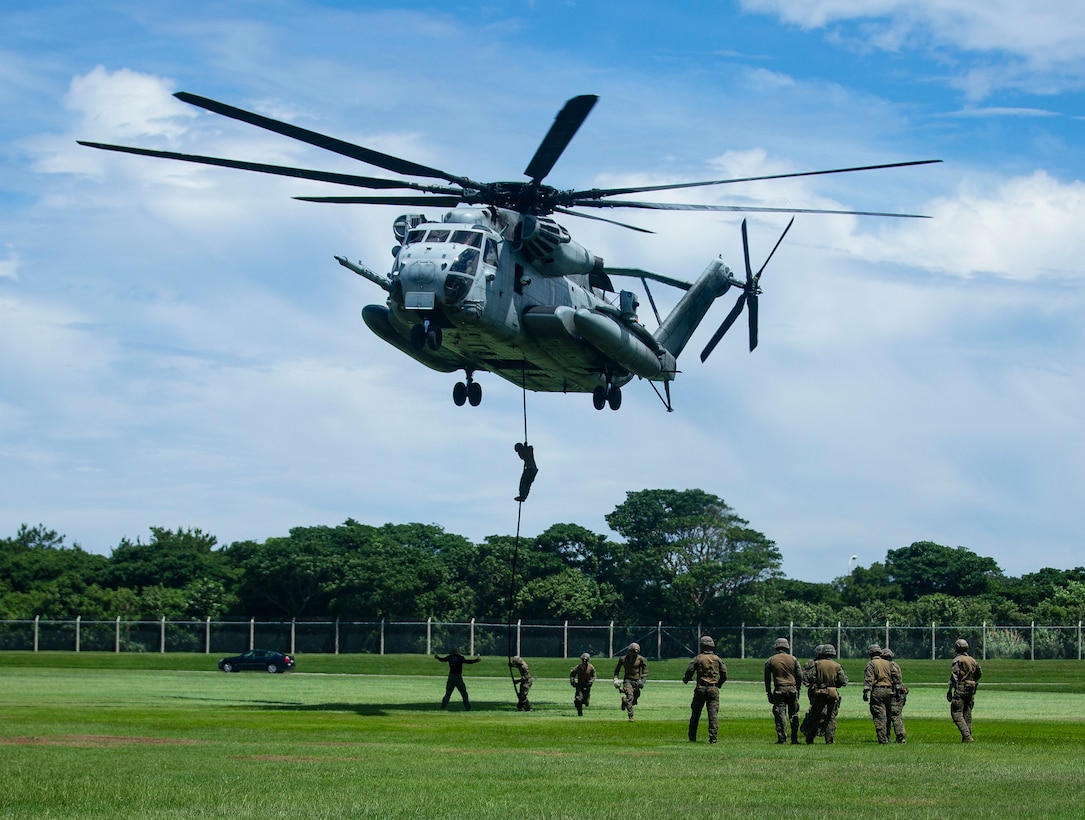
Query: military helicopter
[[497, 285]]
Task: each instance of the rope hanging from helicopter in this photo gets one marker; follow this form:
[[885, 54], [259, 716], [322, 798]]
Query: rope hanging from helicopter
[[527, 454]]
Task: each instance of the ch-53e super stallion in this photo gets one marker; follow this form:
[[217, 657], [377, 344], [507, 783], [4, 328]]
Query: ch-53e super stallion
[[497, 285]]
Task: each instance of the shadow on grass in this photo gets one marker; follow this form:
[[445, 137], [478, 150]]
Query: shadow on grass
[[377, 709]]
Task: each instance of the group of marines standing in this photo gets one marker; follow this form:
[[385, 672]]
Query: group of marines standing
[[823, 677]]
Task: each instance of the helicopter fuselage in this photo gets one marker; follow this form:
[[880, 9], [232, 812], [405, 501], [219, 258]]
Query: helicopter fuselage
[[472, 293]]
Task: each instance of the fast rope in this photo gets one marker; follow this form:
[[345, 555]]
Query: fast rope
[[513, 675]]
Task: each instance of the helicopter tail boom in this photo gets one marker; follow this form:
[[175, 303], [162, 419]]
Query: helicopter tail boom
[[682, 322]]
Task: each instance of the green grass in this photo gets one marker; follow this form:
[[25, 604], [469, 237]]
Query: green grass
[[102, 735]]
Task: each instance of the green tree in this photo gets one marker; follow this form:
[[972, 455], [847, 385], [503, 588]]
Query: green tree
[[925, 568], [688, 554], [170, 559]]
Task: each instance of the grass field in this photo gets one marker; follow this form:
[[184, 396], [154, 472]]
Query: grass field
[[102, 735]]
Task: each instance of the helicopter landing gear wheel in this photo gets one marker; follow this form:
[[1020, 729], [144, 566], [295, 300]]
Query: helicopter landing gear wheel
[[469, 392], [614, 397], [434, 337], [599, 397], [418, 337]]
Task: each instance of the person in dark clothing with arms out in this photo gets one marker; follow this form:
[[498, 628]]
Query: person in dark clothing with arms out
[[455, 663]]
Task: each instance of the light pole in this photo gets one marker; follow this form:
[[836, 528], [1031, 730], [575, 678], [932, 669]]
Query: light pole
[[849, 563]]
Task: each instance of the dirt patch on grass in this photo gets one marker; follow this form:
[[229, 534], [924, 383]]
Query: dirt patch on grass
[[97, 741]]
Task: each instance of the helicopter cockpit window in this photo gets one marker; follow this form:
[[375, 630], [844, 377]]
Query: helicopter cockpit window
[[415, 236], [472, 238], [438, 236], [490, 257], [466, 263]]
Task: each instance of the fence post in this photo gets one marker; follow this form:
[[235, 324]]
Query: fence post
[[519, 623], [117, 636], [565, 641], [791, 635], [252, 633], [382, 636], [429, 635], [293, 632], [206, 636], [336, 634], [471, 651], [985, 640], [1078, 640], [742, 641], [611, 652], [78, 618], [162, 636], [932, 641], [839, 640], [1033, 640], [37, 618], [886, 633], [659, 639]]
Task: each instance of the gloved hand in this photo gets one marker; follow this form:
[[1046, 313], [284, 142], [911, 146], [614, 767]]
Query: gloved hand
[[866, 696], [617, 684], [949, 697], [769, 696]]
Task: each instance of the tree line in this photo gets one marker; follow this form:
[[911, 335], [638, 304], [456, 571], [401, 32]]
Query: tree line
[[683, 557]]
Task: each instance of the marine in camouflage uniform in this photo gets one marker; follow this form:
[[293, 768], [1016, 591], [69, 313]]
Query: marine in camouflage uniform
[[824, 677], [523, 686], [783, 677], [964, 678], [900, 697], [711, 673], [581, 678], [634, 674], [879, 689]]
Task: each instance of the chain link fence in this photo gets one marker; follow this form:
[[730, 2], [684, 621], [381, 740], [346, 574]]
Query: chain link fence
[[539, 640]]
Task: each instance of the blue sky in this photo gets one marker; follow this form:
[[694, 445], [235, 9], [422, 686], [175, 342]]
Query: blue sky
[[179, 348]]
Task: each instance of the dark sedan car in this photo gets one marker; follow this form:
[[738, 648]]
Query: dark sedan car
[[262, 659]]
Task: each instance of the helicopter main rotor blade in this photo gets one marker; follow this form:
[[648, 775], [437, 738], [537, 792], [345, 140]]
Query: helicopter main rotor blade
[[674, 206], [279, 170], [601, 219], [336, 146], [637, 273], [557, 139], [423, 201], [723, 328], [598, 193], [746, 255]]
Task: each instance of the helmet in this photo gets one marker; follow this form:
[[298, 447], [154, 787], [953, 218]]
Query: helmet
[[782, 643], [706, 641], [828, 650], [961, 645], [634, 647], [873, 650], [887, 654], [585, 657]]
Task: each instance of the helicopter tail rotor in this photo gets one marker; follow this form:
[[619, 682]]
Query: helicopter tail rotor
[[748, 299]]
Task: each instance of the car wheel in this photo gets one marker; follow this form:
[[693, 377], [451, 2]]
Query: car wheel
[[227, 668], [272, 668]]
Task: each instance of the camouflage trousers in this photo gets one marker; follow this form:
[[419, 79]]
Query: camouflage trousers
[[630, 695], [896, 709], [522, 689], [881, 700], [785, 714], [821, 717], [705, 695], [960, 709], [582, 697]]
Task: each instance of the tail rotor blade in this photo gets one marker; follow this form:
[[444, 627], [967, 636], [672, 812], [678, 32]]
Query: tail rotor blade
[[730, 320], [751, 302], [746, 254]]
